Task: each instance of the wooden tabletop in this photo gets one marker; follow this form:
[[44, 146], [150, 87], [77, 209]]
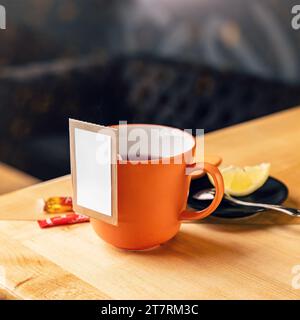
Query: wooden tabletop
[[13, 179], [204, 261]]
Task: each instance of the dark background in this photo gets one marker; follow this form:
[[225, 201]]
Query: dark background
[[190, 64]]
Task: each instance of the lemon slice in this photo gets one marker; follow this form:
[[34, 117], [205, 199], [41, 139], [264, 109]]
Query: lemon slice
[[243, 181]]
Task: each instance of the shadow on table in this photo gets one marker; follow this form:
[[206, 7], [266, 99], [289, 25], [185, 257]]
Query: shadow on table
[[191, 246], [239, 228]]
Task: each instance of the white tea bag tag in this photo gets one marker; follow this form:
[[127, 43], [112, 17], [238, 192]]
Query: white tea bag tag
[[93, 151]]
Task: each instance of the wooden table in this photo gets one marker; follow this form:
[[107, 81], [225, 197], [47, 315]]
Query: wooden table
[[13, 179], [205, 261]]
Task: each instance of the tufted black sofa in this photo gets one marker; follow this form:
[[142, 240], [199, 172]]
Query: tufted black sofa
[[37, 100]]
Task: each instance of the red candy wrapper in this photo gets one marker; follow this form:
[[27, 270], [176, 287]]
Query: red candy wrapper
[[63, 220]]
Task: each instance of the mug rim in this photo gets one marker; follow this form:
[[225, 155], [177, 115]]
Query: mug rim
[[184, 133]]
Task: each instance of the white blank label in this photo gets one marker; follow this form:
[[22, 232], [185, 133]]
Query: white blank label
[[93, 171]]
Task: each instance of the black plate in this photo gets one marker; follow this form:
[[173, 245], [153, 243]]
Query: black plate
[[272, 192]]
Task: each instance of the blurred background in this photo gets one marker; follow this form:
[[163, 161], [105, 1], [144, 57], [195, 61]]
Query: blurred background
[[189, 64]]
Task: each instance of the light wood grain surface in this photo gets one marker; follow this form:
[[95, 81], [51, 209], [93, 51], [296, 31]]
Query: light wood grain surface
[[13, 179], [204, 261]]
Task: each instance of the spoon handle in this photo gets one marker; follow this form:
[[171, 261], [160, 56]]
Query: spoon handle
[[290, 211]]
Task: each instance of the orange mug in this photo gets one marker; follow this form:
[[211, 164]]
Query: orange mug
[[152, 195]]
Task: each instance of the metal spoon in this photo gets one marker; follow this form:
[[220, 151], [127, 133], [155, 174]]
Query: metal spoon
[[208, 194]]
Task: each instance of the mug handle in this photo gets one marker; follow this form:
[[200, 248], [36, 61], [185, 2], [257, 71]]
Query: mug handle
[[219, 185]]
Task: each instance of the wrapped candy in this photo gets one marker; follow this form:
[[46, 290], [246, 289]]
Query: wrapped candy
[[61, 205], [58, 205], [65, 219]]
